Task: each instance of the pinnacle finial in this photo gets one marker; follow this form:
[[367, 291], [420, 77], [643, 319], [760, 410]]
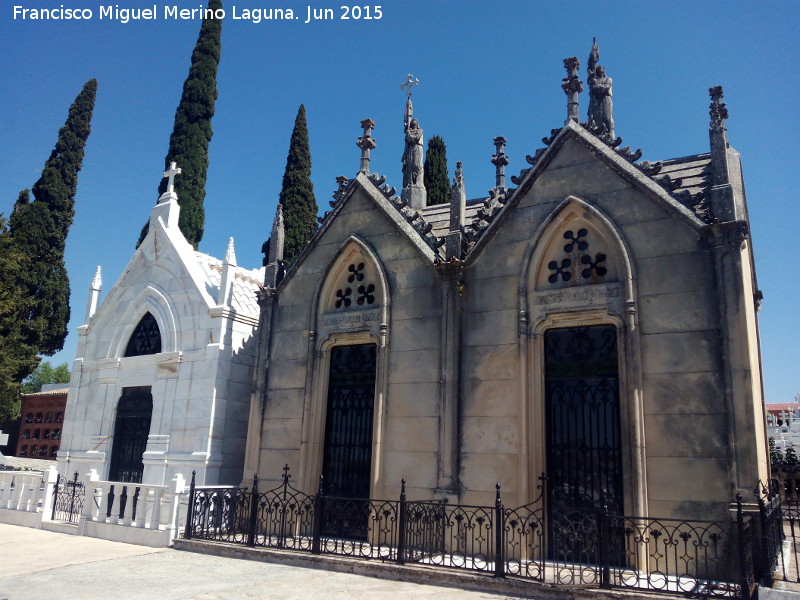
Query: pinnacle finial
[[717, 110], [500, 160], [572, 86], [96, 280], [230, 253], [366, 143]]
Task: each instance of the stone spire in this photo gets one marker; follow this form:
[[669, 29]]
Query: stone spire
[[94, 295], [414, 192], [228, 275], [722, 201], [230, 253], [572, 86], [500, 161], [366, 143], [167, 207], [718, 134], [600, 103], [458, 206], [275, 258]]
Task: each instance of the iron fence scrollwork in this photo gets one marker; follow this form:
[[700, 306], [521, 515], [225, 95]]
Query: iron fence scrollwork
[[68, 498], [592, 546]]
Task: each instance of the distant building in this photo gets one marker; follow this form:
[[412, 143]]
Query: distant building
[[42, 422]]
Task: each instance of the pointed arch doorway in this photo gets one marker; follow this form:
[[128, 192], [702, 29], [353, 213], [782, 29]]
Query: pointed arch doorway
[[347, 456]]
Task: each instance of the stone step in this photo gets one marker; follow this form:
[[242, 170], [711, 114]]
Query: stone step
[[60, 527]]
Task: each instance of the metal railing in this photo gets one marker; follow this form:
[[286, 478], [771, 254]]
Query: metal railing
[[68, 498], [538, 541]]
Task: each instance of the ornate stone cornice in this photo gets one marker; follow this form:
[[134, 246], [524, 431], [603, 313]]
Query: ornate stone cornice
[[266, 296], [449, 270], [732, 233]]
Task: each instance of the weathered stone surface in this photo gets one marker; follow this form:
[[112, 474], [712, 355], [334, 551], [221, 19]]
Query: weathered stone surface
[[678, 436], [490, 397], [674, 312], [490, 435], [687, 352], [688, 394], [702, 479], [413, 400], [491, 362]]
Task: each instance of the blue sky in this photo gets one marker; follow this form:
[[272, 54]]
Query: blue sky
[[486, 69]]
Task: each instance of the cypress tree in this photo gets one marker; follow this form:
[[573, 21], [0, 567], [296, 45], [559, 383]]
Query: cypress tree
[[39, 231], [297, 192], [191, 132], [437, 181], [17, 359]]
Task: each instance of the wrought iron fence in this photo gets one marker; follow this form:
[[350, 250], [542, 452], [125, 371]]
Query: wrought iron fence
[[587, 546], [68, 498], [779, 512]]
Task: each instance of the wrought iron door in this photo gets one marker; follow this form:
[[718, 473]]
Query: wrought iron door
[[347, 460], [584, 450], [131, 428]]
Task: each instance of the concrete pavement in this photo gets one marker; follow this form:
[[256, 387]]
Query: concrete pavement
[[38, 564]]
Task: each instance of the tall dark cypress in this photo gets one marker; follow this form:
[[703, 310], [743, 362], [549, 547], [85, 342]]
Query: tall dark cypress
[[437, 181], [17, 359], [39, 231], [191, 132], [297, 193]]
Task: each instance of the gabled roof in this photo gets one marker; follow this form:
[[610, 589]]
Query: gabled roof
[[412, 223], [645, 175]]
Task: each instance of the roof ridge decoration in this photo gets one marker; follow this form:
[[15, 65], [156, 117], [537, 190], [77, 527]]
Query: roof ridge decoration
[[413, 217], [497, 200]]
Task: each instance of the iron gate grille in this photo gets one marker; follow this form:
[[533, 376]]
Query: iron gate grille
[[584, 457], [347, 461], [68, 497], [131, 429]]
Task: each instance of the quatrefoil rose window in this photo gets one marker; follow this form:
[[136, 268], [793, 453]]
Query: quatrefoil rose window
[[364, 294], [580, 264]]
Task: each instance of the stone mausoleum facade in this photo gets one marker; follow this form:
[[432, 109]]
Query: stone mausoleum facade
[[593, 319], [163, 374]]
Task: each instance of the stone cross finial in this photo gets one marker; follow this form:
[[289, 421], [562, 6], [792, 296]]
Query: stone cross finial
[[366, 143], [170, 175], [717, 110], [572, 86], [500, 160], [409, 81]]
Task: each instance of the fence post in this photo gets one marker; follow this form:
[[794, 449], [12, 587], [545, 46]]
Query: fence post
[[499, 560], [50, 482], [282, 532], [55, 497], [251, 535], [187, 533], [604, 543], [176, 491], [401, 532], [319, 515], [743, 539], [87, 512]]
